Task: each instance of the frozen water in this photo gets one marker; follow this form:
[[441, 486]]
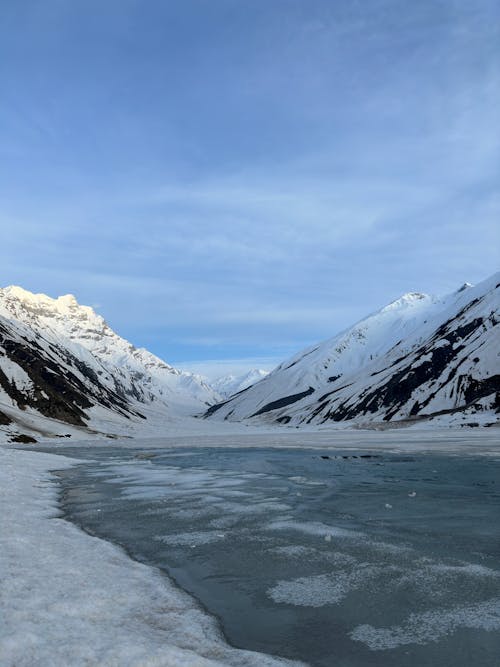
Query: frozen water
[[322, 589], [314, 528], [191, 539], [329, 576], [431, 626], [69, 599]]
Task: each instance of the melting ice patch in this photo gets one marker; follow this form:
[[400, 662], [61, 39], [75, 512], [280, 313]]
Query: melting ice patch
[[314, 528], [334, 534], [295, 551], [431, 626], [322, 589], [467, 569], [437, 580], [193, 513], [193, 539], [305, 481], [145, 481], [255, 508]]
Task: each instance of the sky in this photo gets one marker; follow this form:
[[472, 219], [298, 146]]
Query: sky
[[228, 181]]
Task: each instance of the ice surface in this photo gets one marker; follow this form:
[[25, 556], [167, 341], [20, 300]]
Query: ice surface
[[294, 551], [147, 481], [315, 528], [85, 602], [71, 599], [322, 589], [298, 479], [191, 539], [259, 557], [431, 626], [436, 580]]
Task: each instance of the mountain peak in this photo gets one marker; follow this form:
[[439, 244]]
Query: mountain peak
[[411, 297], [15, 297], [24, 295], [414, 296], [68, 300], [408, 300]]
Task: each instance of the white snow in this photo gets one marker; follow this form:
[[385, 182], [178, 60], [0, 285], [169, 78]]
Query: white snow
[[16, 375], [71, 599], [227, 385], [62, 324], [335, 374]]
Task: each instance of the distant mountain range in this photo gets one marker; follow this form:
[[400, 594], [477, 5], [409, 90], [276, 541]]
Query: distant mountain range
[[64, 371], [419, 358], [232, 384]]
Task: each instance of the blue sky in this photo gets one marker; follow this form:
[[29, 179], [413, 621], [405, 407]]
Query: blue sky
[[236, 179]]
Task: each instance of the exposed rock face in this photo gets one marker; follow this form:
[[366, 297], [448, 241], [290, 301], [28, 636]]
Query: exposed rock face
[[419, 356], [50, 379]]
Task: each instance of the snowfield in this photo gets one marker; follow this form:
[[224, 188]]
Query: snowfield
[[71, 599], [228, 385]]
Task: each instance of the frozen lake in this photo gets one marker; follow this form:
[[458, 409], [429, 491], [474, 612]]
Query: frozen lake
[[342, 557]]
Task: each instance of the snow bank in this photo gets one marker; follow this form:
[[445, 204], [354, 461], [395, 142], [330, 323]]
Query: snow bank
[[71, 599]]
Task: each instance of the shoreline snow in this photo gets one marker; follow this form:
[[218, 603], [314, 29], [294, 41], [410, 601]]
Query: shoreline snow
[[68, 598], [461, 441]]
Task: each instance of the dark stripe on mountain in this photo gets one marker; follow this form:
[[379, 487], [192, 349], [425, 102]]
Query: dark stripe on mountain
[[282, 402]]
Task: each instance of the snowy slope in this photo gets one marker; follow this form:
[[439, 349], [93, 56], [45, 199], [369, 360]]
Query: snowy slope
[[62, 361], [232, 384], [418, 356]]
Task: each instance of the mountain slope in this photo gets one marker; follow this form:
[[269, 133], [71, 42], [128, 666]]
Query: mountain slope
[[418, 356], [62, 361], [228, 385]]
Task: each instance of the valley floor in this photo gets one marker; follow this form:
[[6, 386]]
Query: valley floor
[[71, 599]]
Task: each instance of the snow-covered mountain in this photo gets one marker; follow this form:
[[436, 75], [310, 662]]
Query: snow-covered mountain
[[228, 385], [61, 361], [420, 356]]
